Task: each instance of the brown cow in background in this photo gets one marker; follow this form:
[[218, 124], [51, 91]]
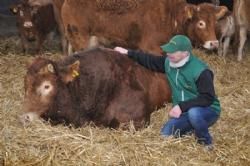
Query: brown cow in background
[[34, 24], [140, 24], [225, 30], [242, 20], [57, 5], [97, 86]]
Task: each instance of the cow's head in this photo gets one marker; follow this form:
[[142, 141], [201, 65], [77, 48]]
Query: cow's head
[[25, 19], [200, 24], [43, 82]]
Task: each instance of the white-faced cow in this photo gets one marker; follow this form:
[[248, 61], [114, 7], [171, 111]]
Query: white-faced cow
[[140, 24], [98, 86], [225, 26]]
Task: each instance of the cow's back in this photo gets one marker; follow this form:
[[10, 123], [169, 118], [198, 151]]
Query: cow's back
[[134, 24], [114, 69], [113, 89]]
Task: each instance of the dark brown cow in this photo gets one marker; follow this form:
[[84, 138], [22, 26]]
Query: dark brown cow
[[139, 24], [242, 20], [57, 5], [99, 86], [34, 24]]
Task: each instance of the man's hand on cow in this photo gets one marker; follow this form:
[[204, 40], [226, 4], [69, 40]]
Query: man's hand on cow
[[40, 2], [121, 50], [175, 112]]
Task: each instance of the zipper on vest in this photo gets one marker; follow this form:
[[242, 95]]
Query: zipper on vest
[[182, 95], [176, 77]]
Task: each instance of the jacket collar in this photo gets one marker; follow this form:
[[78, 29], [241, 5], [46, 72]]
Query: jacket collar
[[180, 63]]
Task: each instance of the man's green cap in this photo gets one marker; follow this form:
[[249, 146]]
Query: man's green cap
[[177, 43]]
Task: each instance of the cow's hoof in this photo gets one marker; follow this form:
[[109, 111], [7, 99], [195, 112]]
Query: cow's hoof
[[239, 59]]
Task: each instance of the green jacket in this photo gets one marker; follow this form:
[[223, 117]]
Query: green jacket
[[183, 81]]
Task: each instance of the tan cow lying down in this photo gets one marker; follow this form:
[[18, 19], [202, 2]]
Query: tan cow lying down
[[143, 24], [99, 86]]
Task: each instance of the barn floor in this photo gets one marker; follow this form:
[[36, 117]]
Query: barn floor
[[41, 144]]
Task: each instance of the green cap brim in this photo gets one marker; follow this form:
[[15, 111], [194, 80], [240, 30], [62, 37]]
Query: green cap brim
[[169, 48]]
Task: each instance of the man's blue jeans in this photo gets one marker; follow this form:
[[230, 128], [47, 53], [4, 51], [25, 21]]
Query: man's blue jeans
[[197, 119]]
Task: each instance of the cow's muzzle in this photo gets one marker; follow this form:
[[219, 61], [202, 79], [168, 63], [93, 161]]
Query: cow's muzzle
[[28, 117], [27, 24], [211, 45], [31, 38]]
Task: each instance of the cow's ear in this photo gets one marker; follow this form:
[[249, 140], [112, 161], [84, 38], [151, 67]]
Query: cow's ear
[[71, 72], [189, 10], [49, 68], [14, 9], [220, 11], [29, 62]]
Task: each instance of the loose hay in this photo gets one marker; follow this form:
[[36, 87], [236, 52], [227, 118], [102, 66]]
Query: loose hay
[[42, 144]]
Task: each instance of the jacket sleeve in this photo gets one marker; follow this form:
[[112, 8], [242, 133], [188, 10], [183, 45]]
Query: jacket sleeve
[[206, 92], [150, 61]]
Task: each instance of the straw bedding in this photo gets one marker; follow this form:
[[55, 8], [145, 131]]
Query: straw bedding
[[42, 144]]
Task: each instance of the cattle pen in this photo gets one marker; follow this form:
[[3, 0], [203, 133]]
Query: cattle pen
[[39, 143]]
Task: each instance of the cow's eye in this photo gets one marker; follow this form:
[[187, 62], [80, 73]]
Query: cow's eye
[[201, 24], [46, 87]]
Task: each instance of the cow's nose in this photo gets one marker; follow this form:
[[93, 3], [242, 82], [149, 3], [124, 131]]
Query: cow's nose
[[210, 45], [214, 44], [27, 24]]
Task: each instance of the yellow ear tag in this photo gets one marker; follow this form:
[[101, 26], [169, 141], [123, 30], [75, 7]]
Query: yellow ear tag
[[75, 73]]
